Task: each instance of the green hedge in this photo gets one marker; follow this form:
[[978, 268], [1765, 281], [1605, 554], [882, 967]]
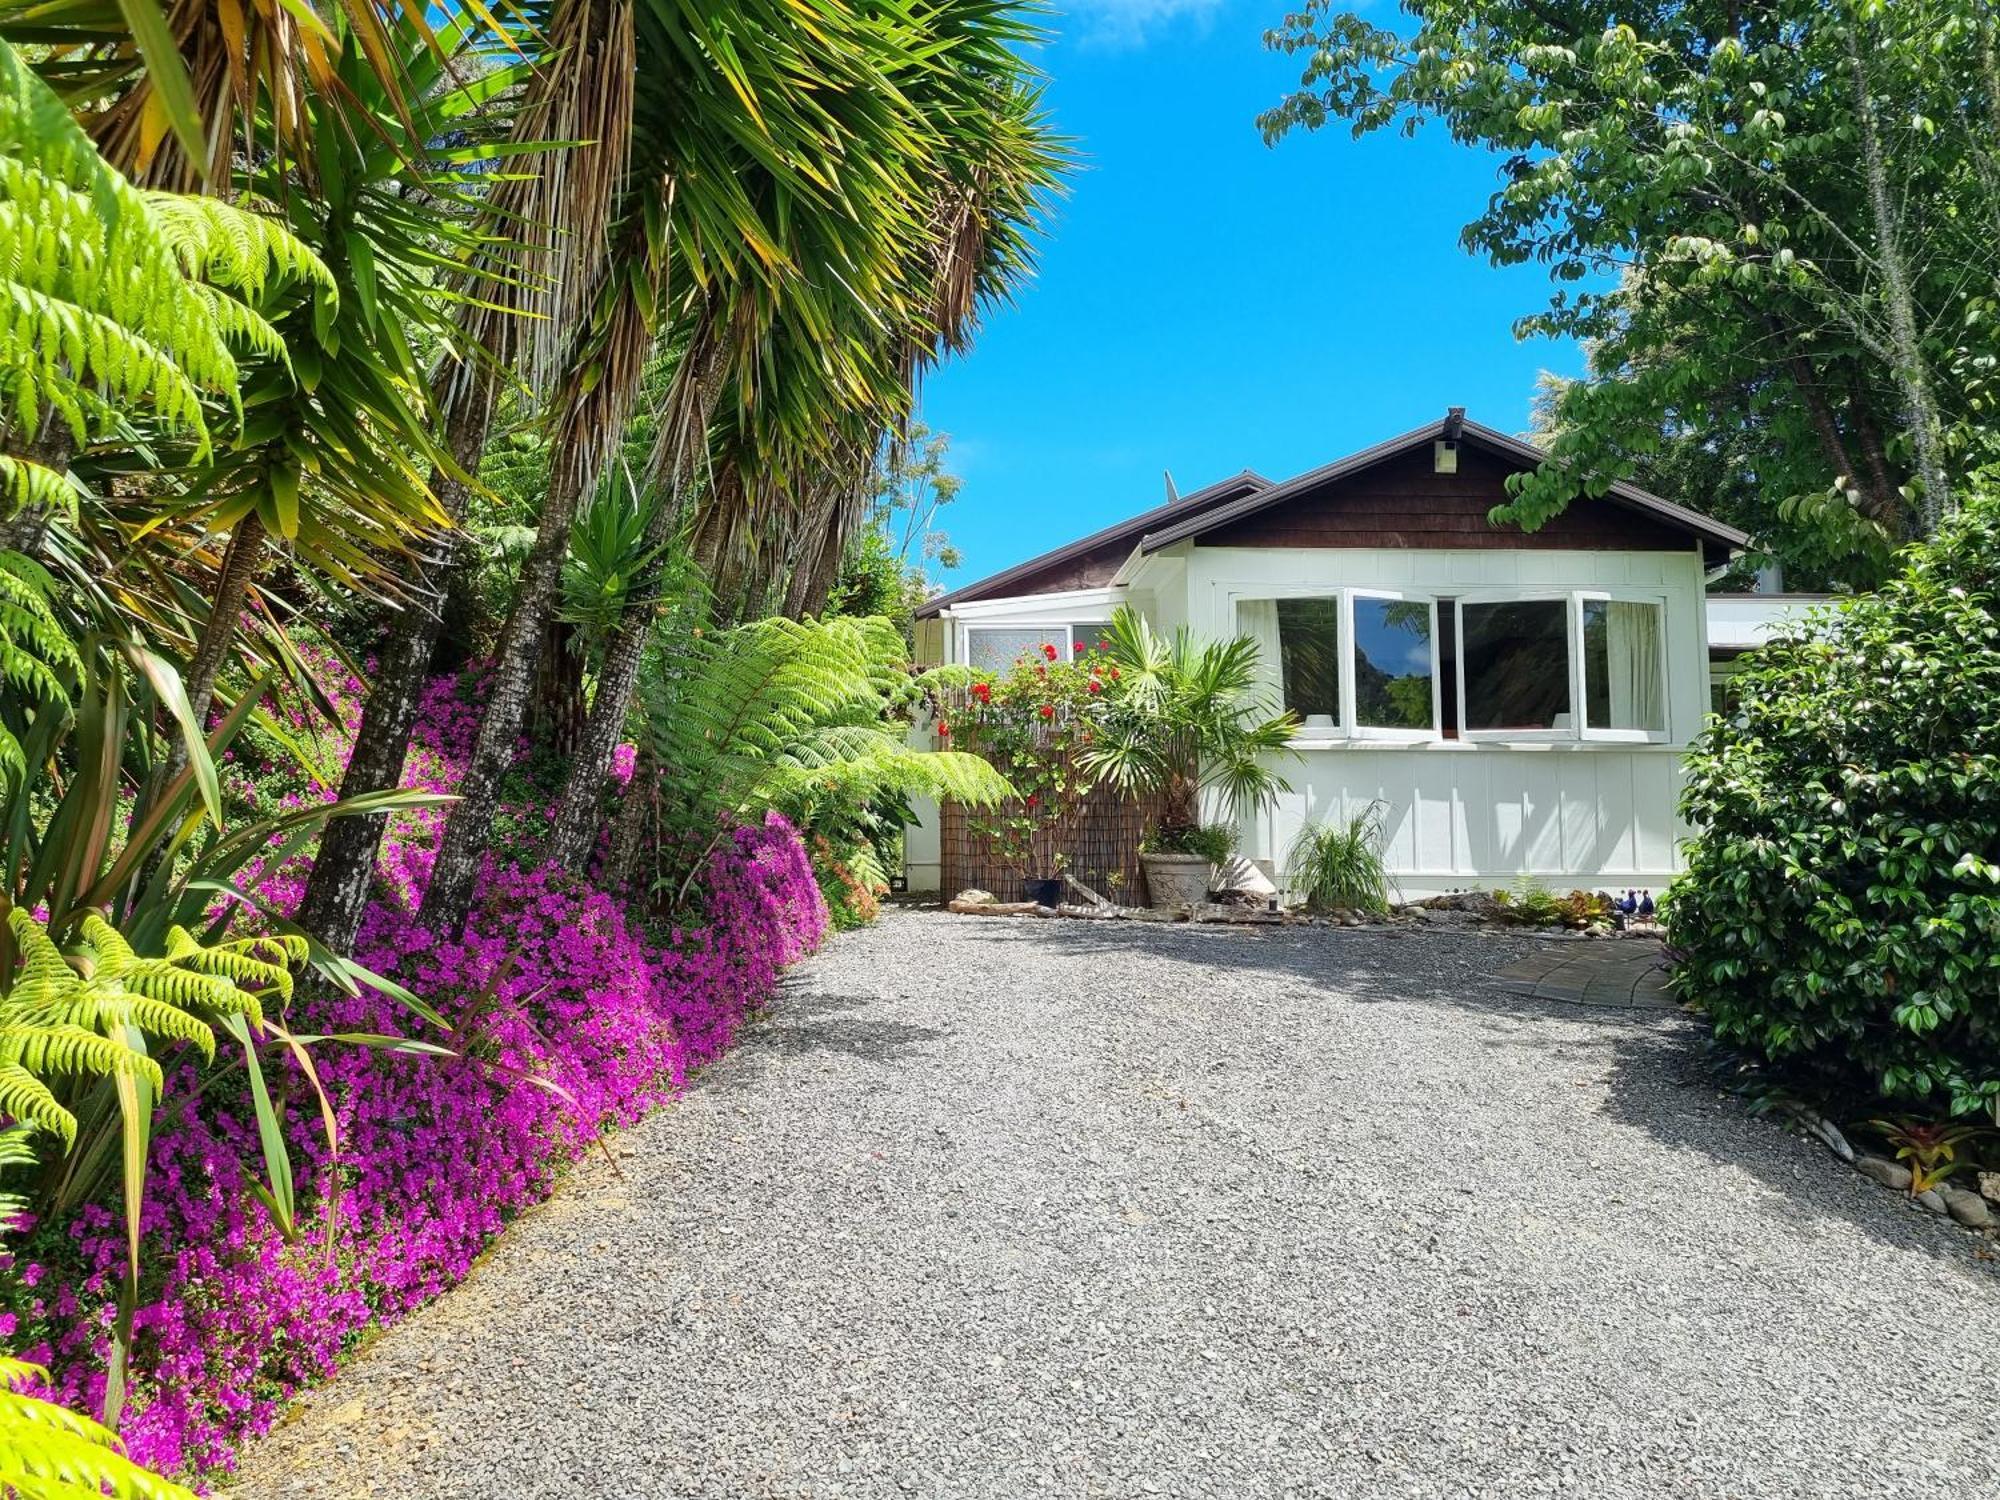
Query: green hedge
[[1840, 915]]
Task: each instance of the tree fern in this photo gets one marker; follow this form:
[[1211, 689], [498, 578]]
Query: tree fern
[[802, 716], [48, 1452], [102, 307]]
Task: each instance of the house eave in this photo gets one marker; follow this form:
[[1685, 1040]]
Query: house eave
[[1710, 531]]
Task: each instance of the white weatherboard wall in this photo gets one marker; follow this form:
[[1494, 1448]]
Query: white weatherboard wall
[[1463, 814]]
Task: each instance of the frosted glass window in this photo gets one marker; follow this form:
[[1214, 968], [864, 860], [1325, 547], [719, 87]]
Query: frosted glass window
[[995, 648], [1392, 663], [1514, 660], [1622, 678]]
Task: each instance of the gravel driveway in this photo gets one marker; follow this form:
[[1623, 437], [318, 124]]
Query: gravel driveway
[[994, 1208]]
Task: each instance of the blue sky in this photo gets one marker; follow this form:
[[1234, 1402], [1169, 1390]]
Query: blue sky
[[1206, 303]]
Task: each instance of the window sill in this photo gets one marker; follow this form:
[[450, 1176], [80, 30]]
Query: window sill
[[1564, 745]]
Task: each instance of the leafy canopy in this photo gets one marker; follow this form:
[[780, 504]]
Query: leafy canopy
[[1699, 177]]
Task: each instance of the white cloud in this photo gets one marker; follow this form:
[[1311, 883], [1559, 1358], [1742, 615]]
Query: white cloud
[[1132, 23]]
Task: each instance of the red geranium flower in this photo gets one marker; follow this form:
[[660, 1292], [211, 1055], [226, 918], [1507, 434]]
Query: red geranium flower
[[982, 692], [1048, 650], [1078, 648], [1033, 800], [1114, 674], [1042, 672], [1048, 710], [1096, 686], [944, 730]]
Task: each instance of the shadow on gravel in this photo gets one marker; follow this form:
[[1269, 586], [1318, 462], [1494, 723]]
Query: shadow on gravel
[[1662, 1084], [802, 1023], [1413, 967], [1659, 1083]]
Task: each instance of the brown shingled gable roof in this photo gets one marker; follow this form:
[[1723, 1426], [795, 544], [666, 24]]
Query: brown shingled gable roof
[[1246, 494]]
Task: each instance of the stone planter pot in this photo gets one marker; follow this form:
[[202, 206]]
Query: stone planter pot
[[1174, 881]]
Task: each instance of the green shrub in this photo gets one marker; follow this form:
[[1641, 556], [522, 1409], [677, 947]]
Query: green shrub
[[1840, 913], [1531, 903], [1214, 842], [1338, 866]]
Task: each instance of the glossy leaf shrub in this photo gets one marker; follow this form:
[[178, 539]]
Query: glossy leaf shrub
[[1840, 914]]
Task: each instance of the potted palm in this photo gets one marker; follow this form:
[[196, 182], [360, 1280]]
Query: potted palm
[[1195, 722]]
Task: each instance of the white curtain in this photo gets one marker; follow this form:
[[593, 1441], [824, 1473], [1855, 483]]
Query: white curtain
[[1638, 695], [1258, 619]]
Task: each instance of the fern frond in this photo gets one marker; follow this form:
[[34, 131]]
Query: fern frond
[[16, 1150], [48, 1452], [49, 1047], [26, 1099], [24, 483], [103, 307]]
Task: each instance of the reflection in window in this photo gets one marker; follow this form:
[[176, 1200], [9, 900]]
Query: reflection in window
[[1622, 687], [1515, 662], [1309, 655], [1392, 663]]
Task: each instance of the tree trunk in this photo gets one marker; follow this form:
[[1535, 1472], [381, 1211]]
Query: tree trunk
[[448, 899], [56, 447], [1912, 375], [1832, 445], [595, 403], [239, 568], [343, 872], [682, 441], [1888, 503]]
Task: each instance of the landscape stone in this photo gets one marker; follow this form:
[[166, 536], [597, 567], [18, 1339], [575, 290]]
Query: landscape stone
[[1889, 1173]]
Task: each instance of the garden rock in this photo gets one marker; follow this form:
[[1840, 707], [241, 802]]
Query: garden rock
[[1931, 1199], [972, 895], [1889, 1173], [1968, 1208]]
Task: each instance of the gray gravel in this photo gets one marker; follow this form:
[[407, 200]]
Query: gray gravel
[[993, 1208]]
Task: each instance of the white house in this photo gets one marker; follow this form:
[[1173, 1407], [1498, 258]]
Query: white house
[[1518, 701]]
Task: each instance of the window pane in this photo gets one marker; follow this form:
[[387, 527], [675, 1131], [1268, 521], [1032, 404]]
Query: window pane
[[1087, 634], [1392, 663], [1515, 662], [995, 648], [1621, 665], [1309, 651]]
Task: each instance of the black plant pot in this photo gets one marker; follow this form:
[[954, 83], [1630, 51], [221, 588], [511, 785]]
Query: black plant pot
[[1042, 892]]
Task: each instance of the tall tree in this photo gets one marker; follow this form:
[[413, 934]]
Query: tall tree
[[544, 242], [819, 107], [819, 377], [1774, 223]]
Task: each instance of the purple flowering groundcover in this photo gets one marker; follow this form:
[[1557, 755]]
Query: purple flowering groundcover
[[554, 981]]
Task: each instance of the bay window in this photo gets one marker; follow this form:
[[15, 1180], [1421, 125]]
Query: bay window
[[1522, 665]]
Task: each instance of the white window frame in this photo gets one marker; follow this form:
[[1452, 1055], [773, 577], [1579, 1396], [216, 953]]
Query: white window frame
[[1579, 729], [1348, 726], [1656, 598], [1349, 707]]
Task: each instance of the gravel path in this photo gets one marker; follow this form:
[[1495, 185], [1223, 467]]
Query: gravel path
[[991, 1208]]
